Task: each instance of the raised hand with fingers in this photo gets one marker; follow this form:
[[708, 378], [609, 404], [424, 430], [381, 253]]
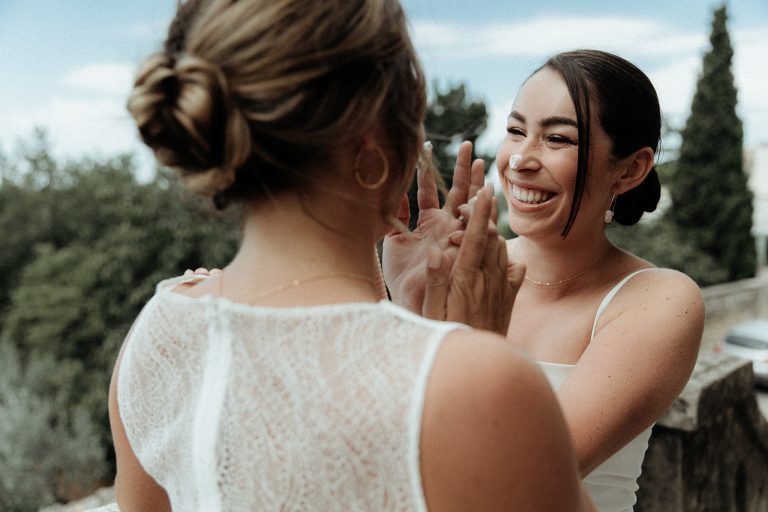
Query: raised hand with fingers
[[404, 254], [480, 286]]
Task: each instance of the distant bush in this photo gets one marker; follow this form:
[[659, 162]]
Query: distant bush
[[83, 246], [46, 450], [661, 243]]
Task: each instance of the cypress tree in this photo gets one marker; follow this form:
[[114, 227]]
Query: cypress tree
[[712, 202]]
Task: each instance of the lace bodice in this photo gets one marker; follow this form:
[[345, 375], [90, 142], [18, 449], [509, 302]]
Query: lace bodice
[[232, 407]]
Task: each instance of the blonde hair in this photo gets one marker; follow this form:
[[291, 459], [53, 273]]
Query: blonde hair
[[248, 94]]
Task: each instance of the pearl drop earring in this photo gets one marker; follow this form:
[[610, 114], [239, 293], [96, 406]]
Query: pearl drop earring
[[514, 161]]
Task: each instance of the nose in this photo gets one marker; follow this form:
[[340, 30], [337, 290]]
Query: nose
[[525, 158]]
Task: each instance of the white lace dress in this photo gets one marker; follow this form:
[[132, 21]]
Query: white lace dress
[[613, 484], [240, 408]]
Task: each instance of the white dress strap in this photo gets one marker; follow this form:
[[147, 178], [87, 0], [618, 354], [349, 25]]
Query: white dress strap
[[610, 295]]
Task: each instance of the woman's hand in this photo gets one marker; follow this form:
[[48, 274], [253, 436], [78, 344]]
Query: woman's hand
[[468, 277], [404, 254], [480, 286], [202, 271]]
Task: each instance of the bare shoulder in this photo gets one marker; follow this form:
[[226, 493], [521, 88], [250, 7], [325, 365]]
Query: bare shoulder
[[493, 436], [657, 316], [666, 295], [645, 346], [135, 489], [673, 282]]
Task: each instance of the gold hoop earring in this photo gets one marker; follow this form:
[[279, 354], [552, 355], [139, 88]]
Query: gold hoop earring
[[384, 174]]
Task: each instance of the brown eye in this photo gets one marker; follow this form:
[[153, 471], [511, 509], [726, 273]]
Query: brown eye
[[560, 141]]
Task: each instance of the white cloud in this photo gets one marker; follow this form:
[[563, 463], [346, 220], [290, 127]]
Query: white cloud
[[751, 48], [675, 84], [77, 127], [496, 128], [148, 31], [626, 36], [92, 120], [106, 78]]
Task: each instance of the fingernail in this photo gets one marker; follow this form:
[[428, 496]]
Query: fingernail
[[428, 145]]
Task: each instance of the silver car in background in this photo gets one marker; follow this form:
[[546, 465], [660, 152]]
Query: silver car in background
[[749, 340]]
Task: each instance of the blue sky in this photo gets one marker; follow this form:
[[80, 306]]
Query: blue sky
[[67, 65]]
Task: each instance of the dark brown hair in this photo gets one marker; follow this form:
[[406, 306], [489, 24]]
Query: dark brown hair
[[627, 109]]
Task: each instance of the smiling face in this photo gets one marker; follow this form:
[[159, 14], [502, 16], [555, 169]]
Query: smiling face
[[542, 130]]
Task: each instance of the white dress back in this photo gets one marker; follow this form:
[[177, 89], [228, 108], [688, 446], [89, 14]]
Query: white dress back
[[613, 484], [239, 408]]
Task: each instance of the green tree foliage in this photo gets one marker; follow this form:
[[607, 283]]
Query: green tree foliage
[[661, 243], [84, 244], [452, 117], [712, 204], [47, 450]]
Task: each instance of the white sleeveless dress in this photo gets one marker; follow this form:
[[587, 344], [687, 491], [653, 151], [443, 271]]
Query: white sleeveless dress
[[240, 408], [613, 484]]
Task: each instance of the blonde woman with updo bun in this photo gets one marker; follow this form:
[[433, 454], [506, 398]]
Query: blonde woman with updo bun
[[287, 381]]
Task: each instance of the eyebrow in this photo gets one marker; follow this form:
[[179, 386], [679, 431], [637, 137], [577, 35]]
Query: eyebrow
[[549, 121]]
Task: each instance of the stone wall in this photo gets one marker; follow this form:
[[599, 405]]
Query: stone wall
[[709, 452]]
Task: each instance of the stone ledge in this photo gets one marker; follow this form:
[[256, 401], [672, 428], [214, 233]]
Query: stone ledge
[[709, 452], [717, 380]]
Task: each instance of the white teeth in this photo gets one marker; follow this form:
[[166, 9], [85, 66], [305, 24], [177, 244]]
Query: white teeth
[[530, 196]]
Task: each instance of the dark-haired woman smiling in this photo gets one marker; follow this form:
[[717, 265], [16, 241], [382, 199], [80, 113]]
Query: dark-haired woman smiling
[[616, 336]]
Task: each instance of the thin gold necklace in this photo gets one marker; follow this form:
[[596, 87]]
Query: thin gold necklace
[[553, 283], [298, 282]]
